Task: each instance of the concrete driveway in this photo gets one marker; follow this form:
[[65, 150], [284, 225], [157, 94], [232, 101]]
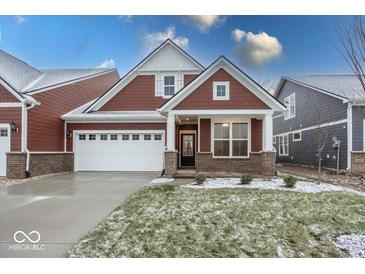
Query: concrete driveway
[[61, 209]]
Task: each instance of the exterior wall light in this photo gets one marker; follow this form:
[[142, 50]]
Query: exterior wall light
[[13, 127]]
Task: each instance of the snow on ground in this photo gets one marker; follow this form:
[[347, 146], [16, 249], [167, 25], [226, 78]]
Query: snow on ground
[[162, 180], [278, 184], [353, 244]]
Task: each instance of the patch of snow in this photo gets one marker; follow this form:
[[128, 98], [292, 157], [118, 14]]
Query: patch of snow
[[277, 184], [352, 244], [162, 180]]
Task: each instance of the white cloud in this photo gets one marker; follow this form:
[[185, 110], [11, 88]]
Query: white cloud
[[205, 22], [107, 64], [258, 49], [238, 34], [126, 18], [19, 19], [153, 40]]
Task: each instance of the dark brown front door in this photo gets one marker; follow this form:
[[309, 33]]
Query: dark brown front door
[[187, 150]]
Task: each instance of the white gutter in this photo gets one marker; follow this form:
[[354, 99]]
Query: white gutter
[[25, 134]]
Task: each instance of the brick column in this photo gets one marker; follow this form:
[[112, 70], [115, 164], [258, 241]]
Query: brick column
[[358, 162], [268, 159], [15, 165], [170, 162]]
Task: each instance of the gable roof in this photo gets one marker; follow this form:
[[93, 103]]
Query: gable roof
[[339, 86], [127, 78], [23, 78], [238, 74]]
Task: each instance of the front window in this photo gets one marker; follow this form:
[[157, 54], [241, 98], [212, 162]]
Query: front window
[[220, 90], [283, 145], [231, 140], [289, 102], [169, 85], [297, 136]]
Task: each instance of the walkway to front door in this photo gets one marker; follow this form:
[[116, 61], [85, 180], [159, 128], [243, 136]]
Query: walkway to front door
[[187, 149]]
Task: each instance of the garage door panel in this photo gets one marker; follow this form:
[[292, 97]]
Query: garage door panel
[[119, 155]]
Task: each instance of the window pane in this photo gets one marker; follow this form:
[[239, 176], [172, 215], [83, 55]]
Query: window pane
[[221, 90], [169, 90], [169, 80], [81, 137], [221, 148], [158, 137], [240, 148], [147, 137], [135, 137], [92, 137], [125, 137], [103, 137], [240, 131], [221, 131], [114, 137]]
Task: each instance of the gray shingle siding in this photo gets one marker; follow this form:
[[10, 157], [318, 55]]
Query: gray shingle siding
[[358, 116], [310, 105]]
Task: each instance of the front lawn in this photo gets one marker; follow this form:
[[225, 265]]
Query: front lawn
[[169, 221]]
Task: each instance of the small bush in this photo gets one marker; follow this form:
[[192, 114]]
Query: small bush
[[246, 179], [199, 179], [290, 181]]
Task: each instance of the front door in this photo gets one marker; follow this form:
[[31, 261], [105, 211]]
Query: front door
[[187, 150]]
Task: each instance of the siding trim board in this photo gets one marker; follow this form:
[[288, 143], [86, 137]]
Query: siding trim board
[[313, 127]]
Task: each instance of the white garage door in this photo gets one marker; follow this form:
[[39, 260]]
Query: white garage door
[[4, 147], [119, 151]]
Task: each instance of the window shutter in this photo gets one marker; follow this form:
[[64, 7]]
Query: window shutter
[[179, 82], [158, 85]]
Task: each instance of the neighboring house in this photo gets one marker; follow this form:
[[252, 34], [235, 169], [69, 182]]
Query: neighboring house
[[31, 103], [328, 103], [170, 113]]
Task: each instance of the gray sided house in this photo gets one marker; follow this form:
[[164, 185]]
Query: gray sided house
[[333, 104]]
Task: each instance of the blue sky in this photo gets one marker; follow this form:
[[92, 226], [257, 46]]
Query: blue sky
[[266, 47]]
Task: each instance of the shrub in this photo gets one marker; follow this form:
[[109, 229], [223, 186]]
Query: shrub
[[246, 179], [290, 181], [199, 179]]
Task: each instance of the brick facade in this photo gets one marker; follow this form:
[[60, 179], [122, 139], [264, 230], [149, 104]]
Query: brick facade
[[170, 163], [39, 164], [260, 163], [358, 162]]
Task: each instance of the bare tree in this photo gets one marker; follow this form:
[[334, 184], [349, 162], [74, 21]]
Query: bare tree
[[352, 37]]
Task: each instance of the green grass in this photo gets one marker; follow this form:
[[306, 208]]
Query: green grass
[[168, 221]]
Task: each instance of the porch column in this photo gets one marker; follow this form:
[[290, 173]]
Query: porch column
[[170, 134], [267, 133]]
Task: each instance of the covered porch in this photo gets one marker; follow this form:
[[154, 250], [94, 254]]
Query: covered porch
[[219, 142]]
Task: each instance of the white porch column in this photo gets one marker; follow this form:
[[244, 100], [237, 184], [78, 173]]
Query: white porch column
[[170, 132], [267, 132]]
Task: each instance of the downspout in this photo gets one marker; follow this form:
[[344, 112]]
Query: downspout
[[25, 136], [349, 135]]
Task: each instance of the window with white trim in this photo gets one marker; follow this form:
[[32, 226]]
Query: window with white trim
[[82, 137], [297, 136], [158, 137], [168, 85], [283, 145], [147, 137], [289, 102], [3, 132], [125, 137], [230, 140], [135, 137], [220, 90], [92, 137], [103, 137], [113, 137]]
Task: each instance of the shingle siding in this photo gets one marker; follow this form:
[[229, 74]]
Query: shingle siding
[[310, 105], [358, 116]]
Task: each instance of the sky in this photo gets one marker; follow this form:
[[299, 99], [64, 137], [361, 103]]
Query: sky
[[265, 47]]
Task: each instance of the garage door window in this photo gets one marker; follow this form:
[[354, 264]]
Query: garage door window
[[114, 137], [82, 137], [103, 137], [158, 137], [92, 137], [147, 137], [135, 137], [125, 137]]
